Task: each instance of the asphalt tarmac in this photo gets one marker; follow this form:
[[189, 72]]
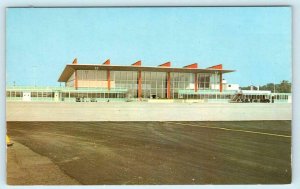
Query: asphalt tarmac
[[95, 153]]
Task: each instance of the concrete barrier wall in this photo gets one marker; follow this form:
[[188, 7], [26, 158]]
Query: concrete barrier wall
[[142, 111]]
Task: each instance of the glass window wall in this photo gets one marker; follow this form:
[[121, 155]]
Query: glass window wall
[[181, 81], [126, 80], [154, 85], [204, 81]]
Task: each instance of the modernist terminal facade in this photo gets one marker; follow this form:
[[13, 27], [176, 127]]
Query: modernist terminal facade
[[137, 81], [106, 82]]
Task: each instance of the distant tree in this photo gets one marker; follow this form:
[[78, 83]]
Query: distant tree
[[245, 88], [284, 87], [249, 88], [268, 87]]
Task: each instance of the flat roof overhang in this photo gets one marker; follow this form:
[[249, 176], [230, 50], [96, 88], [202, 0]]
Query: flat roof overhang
[[70, 68]]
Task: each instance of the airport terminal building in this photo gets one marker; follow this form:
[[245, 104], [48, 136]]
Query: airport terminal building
[[106, 82]]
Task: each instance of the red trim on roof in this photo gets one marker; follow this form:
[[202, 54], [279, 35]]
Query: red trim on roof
[[192, 66], [107, 62], [138, 63], [74, 61], [167, 64], [70, 68], [219, 66]]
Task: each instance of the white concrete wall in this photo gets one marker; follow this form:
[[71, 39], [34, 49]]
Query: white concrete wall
[[234, 87], [226, 86], [143, 111]]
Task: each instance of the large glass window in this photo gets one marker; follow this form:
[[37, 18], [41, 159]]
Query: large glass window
[[181, 82], [154, 85], [125, 80], [204, 81]]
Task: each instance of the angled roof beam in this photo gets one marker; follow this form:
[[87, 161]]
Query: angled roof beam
[[74, 61], [219, 67], [166, 64], [138, 63], [107, 62], [192, 66]]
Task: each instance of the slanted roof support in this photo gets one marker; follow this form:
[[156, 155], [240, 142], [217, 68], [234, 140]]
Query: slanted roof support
[[107, 62], [166, 64], [74, 61], [192, 66], [138, 63], [219, 66]]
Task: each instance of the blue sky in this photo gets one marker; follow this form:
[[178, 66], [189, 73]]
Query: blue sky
[[255, 41]]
